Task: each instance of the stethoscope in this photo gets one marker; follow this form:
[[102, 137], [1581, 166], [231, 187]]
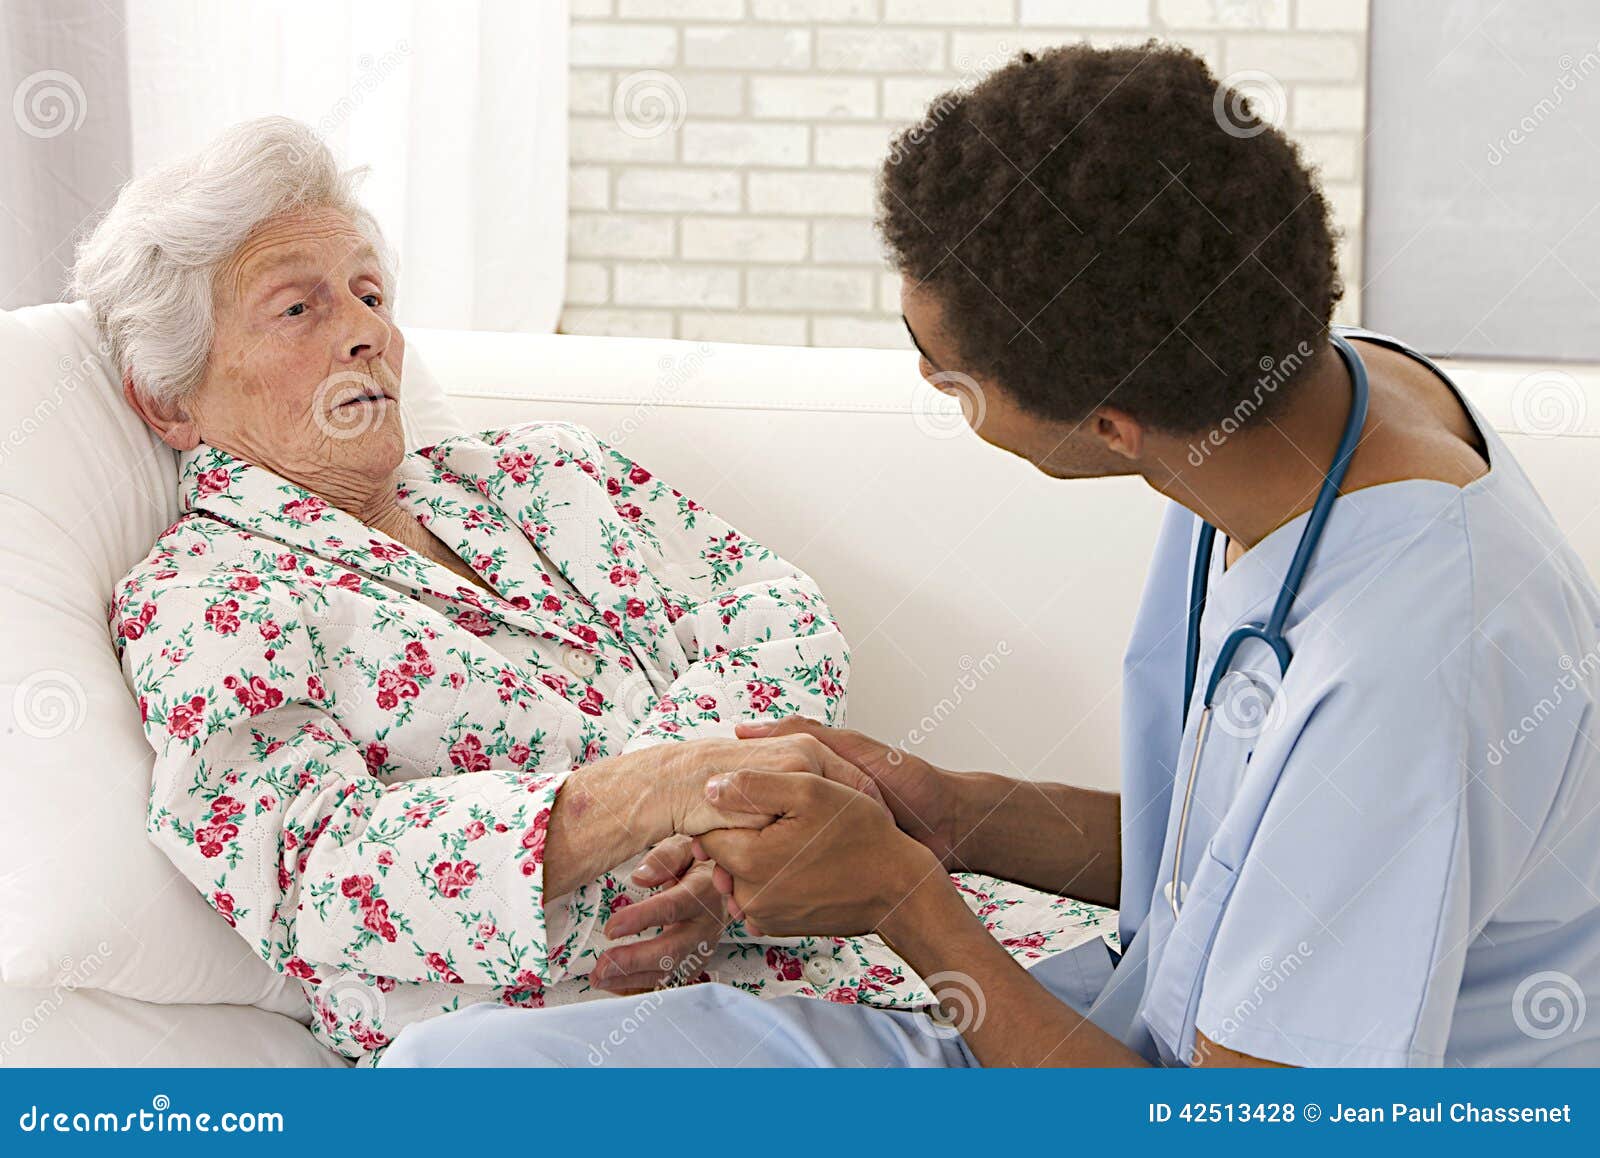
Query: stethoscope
[[1271, 632]]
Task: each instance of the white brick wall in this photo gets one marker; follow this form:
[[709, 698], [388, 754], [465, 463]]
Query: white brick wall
[[724, 151]]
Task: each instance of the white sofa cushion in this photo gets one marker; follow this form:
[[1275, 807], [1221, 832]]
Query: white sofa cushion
[[84, 490], [65, 1026], [987, 606]]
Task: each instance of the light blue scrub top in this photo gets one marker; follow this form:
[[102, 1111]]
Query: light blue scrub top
[[1399, 865]]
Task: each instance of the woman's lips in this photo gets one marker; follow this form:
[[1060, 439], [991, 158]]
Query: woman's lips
[[364, 398]]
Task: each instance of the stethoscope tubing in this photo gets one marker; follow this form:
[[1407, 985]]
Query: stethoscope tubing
[[1270, 633]]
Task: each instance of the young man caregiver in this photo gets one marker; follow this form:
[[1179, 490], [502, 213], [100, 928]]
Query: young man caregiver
[[1339, 841]]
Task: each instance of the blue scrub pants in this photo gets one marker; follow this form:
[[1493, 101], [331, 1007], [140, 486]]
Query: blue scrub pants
[[716, 1025]]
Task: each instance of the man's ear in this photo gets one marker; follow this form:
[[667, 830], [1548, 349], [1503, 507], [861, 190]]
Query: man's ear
[[172, 423], [1119, 432]]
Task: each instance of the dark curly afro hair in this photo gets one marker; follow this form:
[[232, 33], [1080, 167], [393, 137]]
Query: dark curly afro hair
[[1109, 227]]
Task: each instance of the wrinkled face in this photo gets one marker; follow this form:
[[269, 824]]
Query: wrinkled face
[[1059, 449], [304, 372]]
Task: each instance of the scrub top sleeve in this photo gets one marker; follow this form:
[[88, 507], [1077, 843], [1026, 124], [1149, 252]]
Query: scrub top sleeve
[[1344, 939]]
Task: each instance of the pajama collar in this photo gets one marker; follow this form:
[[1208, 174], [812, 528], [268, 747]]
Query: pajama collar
[[215, 483]]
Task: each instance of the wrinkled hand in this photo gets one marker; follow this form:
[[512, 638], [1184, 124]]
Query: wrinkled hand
[[918, 793], [694, 811], [689, 910], [832, 863]]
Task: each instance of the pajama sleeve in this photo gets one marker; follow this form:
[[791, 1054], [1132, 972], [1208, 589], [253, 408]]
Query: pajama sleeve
[[752, 636], [267, 805]]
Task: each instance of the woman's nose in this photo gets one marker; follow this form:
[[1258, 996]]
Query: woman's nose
[[368, 334]]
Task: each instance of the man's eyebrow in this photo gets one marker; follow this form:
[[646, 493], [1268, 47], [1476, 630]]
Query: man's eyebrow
[[912, 334]]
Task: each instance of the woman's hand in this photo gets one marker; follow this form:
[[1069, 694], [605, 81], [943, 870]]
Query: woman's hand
[[689, 910], [694, 812], [921, 796], [832, 863]]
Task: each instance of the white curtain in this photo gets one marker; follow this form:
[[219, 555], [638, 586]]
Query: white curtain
[[460, 110]]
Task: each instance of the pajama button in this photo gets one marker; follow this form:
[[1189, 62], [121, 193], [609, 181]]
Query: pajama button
[[579, 663], [818, 971]]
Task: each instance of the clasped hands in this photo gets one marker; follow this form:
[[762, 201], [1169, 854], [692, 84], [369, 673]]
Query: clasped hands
[[794, 828]]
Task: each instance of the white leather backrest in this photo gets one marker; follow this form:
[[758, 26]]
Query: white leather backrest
[[988, 605], [85, 489]]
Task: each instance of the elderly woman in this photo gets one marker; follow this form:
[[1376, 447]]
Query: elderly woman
[[409, 709]]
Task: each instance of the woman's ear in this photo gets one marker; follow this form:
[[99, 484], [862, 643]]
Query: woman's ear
[[171, 422]]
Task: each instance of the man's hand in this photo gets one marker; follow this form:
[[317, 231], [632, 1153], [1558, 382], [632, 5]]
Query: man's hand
[[920, 795], [694, 811], [689, 910], [832, 863]]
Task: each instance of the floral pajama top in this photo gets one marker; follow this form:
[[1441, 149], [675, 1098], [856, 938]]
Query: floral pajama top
[[357, 752]]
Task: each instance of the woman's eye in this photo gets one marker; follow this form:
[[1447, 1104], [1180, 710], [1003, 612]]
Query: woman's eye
[[373, 300], [295, 310]]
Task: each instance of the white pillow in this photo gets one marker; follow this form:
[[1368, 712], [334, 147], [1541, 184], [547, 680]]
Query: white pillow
[[85, 488]]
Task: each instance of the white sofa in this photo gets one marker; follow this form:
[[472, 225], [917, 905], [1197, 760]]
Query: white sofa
[[987, 607]]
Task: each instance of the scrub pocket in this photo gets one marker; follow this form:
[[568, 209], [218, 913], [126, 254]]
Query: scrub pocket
[[1172, 995]]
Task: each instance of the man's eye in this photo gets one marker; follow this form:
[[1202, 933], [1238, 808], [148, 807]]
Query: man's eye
[[295, 310], [373, 300]]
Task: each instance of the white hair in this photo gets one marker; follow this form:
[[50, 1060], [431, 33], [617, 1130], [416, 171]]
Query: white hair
[[148, 269]]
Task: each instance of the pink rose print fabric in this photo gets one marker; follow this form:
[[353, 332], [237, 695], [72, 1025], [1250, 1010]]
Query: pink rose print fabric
[[357, 752]]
